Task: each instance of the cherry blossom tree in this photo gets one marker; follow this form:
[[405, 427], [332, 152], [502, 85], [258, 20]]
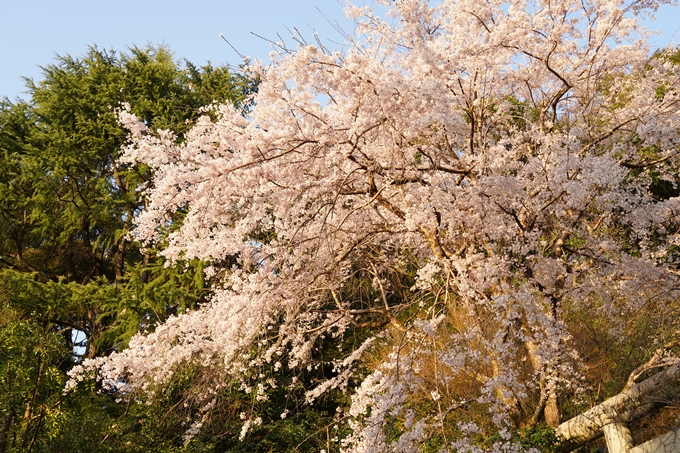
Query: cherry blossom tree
[[458, 202]]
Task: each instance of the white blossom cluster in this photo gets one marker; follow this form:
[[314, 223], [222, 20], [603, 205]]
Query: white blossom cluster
[[494, 158]]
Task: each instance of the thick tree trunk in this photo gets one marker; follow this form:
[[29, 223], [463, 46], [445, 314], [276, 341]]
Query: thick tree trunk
[[67, 256], [120, 260], [552, 412], [625, 407], [548, 406]]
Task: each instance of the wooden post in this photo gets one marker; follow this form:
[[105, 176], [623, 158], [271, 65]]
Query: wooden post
[[666, 443], [625, 407], [618, 437]]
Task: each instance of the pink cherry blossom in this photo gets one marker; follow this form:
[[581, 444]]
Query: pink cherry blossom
[[501, 152]]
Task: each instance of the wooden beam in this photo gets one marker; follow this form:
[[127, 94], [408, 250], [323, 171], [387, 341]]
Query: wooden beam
[[618, 437], [625, 407], [666, 443]]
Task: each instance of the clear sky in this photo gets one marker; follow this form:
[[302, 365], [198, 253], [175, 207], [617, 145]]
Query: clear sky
[[33, 31]]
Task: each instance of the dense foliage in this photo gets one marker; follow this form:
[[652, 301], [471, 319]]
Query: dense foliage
[[467, 220], [453, 235], [72, 284]]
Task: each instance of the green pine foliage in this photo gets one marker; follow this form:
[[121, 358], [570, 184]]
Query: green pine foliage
[[72, 282]]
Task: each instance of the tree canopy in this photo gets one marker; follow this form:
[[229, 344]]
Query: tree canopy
[[72, 283], [467, 220]]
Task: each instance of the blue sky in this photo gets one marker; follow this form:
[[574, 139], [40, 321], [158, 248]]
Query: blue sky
[[33, 31]]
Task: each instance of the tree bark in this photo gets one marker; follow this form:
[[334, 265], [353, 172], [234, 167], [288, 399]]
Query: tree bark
[[7, 423], [552, 412], [30, 405], [548, 406], [625, 407], [120, 259]]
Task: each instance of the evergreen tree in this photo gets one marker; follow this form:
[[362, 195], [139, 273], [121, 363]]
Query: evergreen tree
[[72, 282]]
